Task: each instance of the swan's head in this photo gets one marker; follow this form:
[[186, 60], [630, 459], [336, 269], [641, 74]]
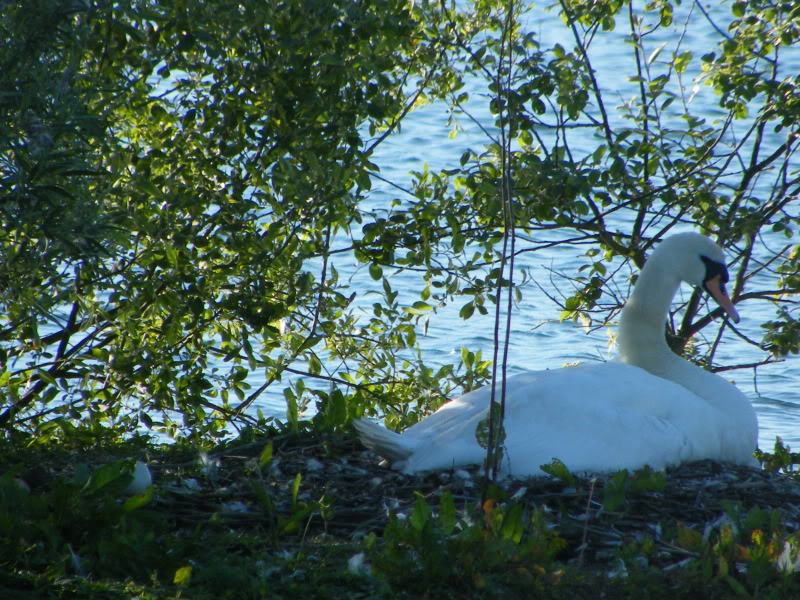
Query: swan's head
[[701, 263]]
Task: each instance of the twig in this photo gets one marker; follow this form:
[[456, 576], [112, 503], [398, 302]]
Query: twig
[[592, 481]]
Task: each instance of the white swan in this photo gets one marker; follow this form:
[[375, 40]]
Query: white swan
[[648, 407]]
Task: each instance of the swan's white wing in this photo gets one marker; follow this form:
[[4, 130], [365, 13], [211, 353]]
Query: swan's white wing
[[594, 418], [598, 419]]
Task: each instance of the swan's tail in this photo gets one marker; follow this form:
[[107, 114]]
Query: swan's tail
[[388, 444]]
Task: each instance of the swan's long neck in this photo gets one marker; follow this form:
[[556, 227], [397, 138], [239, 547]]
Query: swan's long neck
[[641, 338], [641, 342]]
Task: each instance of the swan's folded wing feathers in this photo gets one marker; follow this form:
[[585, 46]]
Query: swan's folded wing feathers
[[586, 435], [453, 413]]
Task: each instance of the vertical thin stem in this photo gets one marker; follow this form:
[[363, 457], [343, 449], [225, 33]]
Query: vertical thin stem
[[510, 231], [496, 420]]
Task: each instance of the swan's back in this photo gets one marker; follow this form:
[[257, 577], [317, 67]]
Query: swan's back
[[595, 418]]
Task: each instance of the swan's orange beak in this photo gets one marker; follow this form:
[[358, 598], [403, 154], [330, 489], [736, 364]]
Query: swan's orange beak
[[717, 290]]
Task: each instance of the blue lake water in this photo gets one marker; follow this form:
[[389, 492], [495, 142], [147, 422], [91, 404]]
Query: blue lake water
[[539, 340]]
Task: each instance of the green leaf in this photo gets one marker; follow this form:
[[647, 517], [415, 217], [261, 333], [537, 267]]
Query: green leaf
[[364, 180], [666, 16], [422, 306], [736, 586], [314, 365], [309, 342], [512, 527], [559, 470], [647, 480], [266, 455], [447, 513], [483, 434], [467, 357], [296, 488], [112, 478], [682, 61], [292, 409], [375, 271], [148, 187], [418, 308], [654, 54], [652, 165], [615, 491], [467, 310], [599, 153], [138, 500], [182, 576], [420, 513]]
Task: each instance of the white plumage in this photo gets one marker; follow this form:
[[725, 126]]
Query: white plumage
[[648, 407], [142, 479]]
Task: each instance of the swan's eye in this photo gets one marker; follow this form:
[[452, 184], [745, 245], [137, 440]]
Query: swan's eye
[[714, 268]]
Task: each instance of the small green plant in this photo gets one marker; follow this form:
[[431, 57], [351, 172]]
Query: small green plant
[[559, 470], [749, 553], [80, 525], [302, 510], [491, 435], [622, 483], [499, 543], [782, 459]]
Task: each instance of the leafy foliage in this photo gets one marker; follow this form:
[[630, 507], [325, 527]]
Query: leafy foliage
[[622, 482], [501, 546], [77, 524], [781, 459], [183, 185], [750, 554], [508, 548]]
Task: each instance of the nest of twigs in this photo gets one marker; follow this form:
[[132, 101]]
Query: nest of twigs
[[351, 494]]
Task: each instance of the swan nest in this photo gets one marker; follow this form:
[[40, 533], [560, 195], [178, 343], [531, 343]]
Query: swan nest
[[227, 487], [361, 494]]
